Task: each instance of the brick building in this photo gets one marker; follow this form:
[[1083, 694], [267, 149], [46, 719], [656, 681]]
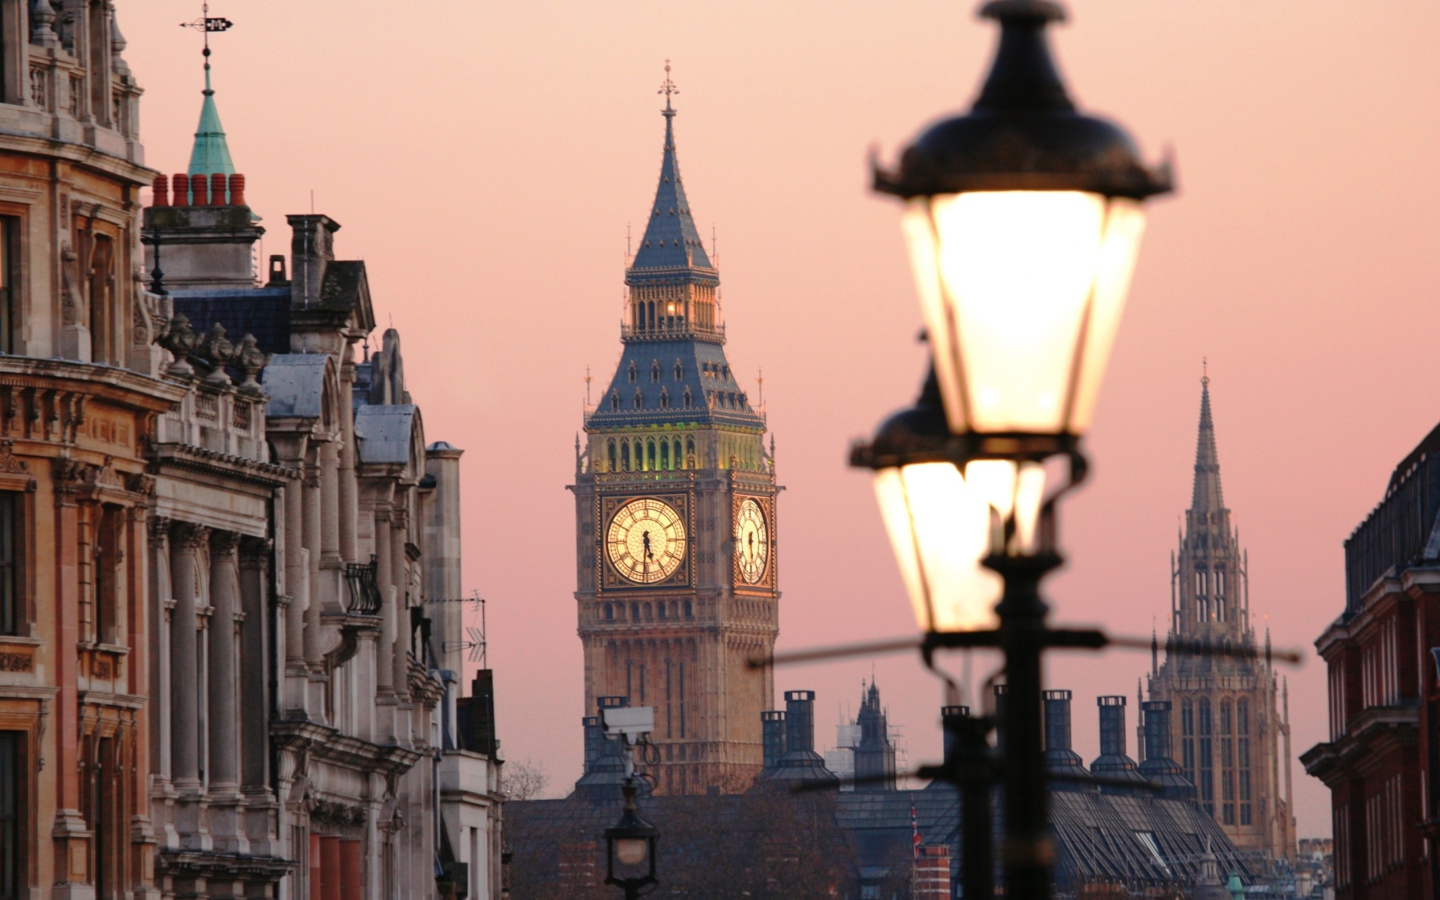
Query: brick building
[[1381, 759]]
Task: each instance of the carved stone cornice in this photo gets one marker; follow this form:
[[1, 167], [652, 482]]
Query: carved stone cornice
[[213, 462], [159, 531]]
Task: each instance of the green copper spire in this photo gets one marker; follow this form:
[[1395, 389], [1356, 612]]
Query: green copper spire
[[211, 154]]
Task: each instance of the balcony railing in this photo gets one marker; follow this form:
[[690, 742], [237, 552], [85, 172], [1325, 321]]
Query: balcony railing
[[364, 588]]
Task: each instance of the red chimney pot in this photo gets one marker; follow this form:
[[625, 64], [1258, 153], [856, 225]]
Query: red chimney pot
[[217, 189], [237, 190], [182, 190], [160, 191], [198, 193]]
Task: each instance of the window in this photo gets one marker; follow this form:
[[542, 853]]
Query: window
[[14, 806], [679, 371], [611, 448], [12, 606], [109, 534], [687, 400], [609, 613], [1206, 785], [625, 455], [1187, 740], [632, 373], [639, 399], [1227, 762], [689, 610], [664, 455], [690, 453], [101, 290], [614, 401], [635, 612], [679, 458], [664, 399], [650, 456], [10, 296], [1242, 756]]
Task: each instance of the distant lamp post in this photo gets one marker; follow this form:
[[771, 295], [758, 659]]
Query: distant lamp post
[[1023, 219], [630, 846]]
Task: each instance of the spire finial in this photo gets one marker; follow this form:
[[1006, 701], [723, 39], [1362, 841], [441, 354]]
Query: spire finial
[[1204, 371], [668, 88], [205, 25]]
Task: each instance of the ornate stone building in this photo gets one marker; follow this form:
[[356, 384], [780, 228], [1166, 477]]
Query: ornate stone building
[[217, 675], [675, 516], [1228, 728]]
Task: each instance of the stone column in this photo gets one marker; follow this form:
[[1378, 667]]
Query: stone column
[[223, 682], [311, 537], [400, 575], [349, 487], [297, 573], [160, 604], [389, 615], [185, 542], [254, 663], [330, 502]]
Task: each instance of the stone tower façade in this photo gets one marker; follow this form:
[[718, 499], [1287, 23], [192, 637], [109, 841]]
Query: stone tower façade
[[1230, 733], [675, 517]]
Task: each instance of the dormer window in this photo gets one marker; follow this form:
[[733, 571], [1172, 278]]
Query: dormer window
[[633, 373], [687, 400], [655, 371], [614, 401], [639, 399], [664, 399], [679, 371]]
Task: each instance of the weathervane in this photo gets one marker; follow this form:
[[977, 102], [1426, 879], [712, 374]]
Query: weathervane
[[205, 25], [669, 89]]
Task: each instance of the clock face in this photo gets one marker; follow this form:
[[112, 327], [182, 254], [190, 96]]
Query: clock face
[[752, 541], [646, 540]]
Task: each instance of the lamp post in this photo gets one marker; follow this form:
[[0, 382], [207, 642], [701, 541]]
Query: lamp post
[[630, 848], [1023, 219]]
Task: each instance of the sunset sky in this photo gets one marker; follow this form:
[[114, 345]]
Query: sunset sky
[[485, 159]]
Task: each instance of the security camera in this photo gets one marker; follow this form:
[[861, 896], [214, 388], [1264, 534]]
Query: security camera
[[631, 721]]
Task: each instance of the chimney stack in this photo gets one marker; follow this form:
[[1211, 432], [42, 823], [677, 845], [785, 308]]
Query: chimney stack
[[161, 191], [799, 721], [1112, 761], [1158, 766], [181, 184], [217, 189], [950, 717], [1060, 760], [772, 730]]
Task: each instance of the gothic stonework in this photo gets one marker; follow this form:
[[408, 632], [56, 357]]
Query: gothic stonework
[[1230, 734], [675, 518]]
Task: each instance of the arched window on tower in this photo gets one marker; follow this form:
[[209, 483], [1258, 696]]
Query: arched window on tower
[[615, 401], [1202, 601], [639, 399], [625, 455], [687, 400], [655, 370], [678, 457], [611, 449], [633, 373], [1205, 787], [650, 455], [1227, 762], [609, 612], [1242, 757], [690, 452], [651, 309], [665, 455], [679, 370], [1187, 739], [664, 398], [1220, 605]]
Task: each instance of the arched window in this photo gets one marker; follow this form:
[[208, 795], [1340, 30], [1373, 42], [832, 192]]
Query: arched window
[[650, 455], [611, 449], [614, 401], [687, 399], [665, 455], [625, 455], [652, 315], [1227, 762], [649, 614], [661, 610], [679, 457], [689, 610], [679, 370], [609, 613], [635, 612], [639, 399], [1242, 757], [690, 452], [664, 399], [632, 373], [726, 372], [655, 370], [1205, 787], [731, 397]]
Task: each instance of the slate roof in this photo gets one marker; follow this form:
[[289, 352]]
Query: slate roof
[[671, 239], [263, 312], [384, 432], [704, 370], [295, 383]]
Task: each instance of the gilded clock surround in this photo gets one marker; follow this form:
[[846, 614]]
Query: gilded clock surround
[[765, 579], [643, 533]]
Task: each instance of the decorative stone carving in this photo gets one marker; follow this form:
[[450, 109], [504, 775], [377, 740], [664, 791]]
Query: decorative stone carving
[[140, 483], [10, 464], [219, 352], [188, 535], [159, 531], [223, 544], [69, 284], [17, 662], [250, 359], [180, 339]]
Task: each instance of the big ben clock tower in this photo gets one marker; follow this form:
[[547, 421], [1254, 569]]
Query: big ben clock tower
[[675, 516]]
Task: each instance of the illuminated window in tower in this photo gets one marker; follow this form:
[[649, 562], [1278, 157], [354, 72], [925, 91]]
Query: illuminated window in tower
[[678, 458], [1227, 762], [665, 455], [1242, 756], [1202, 603], [650, 456], [625, 456], [1206, 765], [611, 448]]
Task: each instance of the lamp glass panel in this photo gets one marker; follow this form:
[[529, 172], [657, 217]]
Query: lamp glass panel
[[1008, 488], [1124, 227], [631, 851], [1005, 279], [940, 530]]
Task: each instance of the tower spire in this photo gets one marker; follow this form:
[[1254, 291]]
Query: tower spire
[[1207, 496], [211, 153], [671, 240]]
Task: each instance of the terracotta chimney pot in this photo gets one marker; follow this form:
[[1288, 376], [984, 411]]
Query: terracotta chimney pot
[[217, 189], [160, 191], [198, 193], [237, 190], [182, 190]]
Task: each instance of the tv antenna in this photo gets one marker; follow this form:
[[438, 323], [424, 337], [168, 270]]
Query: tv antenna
[[475, 642]]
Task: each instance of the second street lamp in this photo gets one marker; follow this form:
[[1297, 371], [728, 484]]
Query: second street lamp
[[1023, 219]]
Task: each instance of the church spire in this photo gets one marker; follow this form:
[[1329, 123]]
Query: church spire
[[671, 239], [1206, 496], [211, 153]]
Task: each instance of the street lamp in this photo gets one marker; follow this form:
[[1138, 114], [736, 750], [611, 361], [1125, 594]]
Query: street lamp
[[630, 846], [1023, 220]]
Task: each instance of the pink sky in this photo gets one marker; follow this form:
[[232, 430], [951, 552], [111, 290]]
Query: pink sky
[[485, 159]]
